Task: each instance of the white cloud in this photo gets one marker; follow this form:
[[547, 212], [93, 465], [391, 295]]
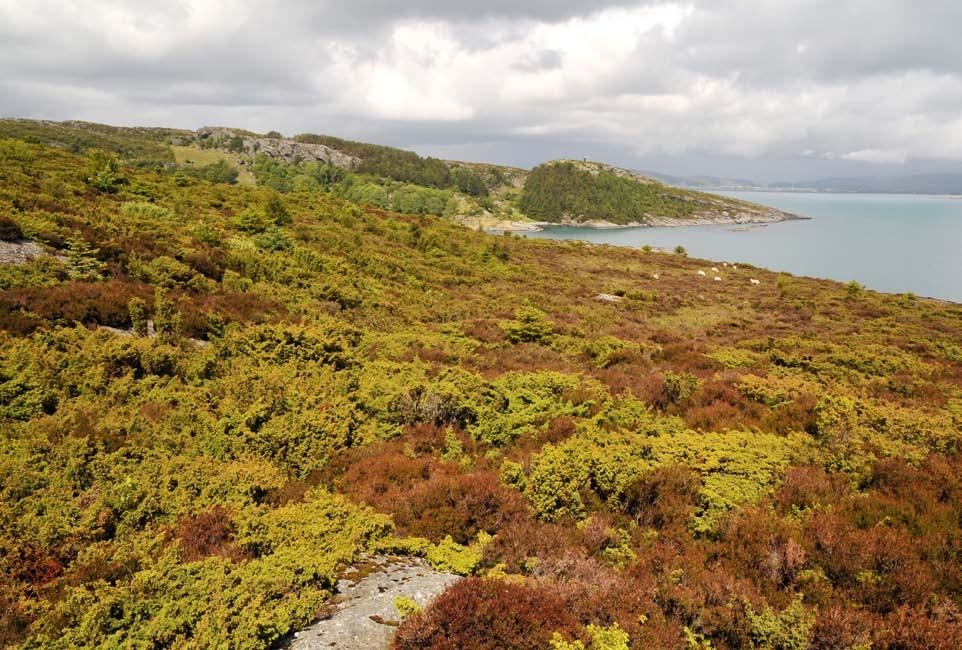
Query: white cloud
[[739, 79]]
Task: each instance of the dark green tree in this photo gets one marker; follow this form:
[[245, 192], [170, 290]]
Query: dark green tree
[[103, 171], [166, 319], [276, 211], [138, 316]]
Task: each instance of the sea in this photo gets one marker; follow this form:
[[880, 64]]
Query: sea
[[895, 243]]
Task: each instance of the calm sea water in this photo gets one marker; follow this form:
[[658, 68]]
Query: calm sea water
[[893, 243]]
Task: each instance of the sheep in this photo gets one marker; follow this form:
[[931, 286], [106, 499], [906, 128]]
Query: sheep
[[714, 269], [701, 273], [754, 281], [654, 276], [725, 264], [717, 279]]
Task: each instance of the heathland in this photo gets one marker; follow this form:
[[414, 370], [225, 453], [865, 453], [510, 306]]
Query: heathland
[[215, 397]]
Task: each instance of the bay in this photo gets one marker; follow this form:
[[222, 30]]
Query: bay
[[892, 243]]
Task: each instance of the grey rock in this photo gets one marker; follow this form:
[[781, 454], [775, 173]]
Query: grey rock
[[19, 252], [283, 149], [362, 615], [607, 297]]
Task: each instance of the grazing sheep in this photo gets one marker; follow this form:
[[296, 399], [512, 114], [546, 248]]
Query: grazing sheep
[[701, 273], [735, 266], [654, 275], [717, 279], [724, 263], [754, 281], [714, 269]]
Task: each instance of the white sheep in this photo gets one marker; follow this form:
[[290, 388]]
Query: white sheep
[[754, 281], [714, 269], [701, 273], [724, 263], [717, 279], [655, 276]]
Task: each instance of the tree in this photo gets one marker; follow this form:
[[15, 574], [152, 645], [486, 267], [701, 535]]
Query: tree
[[218, 172], [276, 211], [82, 262], [103, 174], [250, 221], [854, 289], [467, 181], [138, 316], [166, 319]]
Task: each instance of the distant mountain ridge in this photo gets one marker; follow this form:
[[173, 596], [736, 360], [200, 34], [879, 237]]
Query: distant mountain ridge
[[933, 183], [910, 184]]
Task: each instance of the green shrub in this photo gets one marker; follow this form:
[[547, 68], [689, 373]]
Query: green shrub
[[276, 211], [140, 210], [166, 319], [103, 172], [82, 262], [405, 606], [138, 315], [790, 629], [680, 387], [530, 326], [9, 230]]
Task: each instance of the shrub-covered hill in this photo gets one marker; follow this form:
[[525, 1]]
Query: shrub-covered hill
[[573, 191], [214, 398], [135, 146], [484, 195]]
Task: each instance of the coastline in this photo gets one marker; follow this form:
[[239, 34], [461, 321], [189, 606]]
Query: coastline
[[763, 217]]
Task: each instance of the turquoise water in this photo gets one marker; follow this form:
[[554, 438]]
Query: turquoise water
[[893, 243]]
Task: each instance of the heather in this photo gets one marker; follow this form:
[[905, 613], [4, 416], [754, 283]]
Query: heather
[[215, 397]]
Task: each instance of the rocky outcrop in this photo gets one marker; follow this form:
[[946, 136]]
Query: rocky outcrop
[[19, 251], [362, 615], [291, 151]]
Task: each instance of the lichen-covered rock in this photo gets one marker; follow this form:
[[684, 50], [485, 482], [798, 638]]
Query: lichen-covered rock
[[290, 151], [18, 252], [363, 615]]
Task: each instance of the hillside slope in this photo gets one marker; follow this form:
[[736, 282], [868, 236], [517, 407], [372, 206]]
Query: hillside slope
[[476, 194], [214, 398]]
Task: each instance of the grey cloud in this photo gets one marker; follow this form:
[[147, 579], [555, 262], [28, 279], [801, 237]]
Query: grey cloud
[[362, 14], [830, 41], [739, 84]]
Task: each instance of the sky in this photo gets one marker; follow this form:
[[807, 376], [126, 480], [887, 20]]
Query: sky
[[761, 89]]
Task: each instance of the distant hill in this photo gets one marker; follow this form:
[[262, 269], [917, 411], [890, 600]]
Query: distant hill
[[568, 191], [482, 194], [906, 184], [911, 184], [136, 146], [704, 182]]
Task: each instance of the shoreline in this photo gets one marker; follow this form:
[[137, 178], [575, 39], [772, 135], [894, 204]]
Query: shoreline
[[739, 219]]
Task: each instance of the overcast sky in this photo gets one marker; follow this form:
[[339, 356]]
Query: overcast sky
[[774, 90]]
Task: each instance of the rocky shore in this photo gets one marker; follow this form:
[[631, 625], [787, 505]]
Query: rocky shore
[[724, 218]]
